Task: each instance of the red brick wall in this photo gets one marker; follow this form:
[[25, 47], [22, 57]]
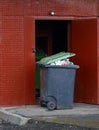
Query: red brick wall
[[11, 60], [84, 43], [16, 61], [98, 57], [42, 7]]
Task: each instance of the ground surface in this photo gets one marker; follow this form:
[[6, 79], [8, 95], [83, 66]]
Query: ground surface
[[81, 117], [39, 125]]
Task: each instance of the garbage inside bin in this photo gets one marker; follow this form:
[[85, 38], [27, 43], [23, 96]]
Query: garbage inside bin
[[39, 55], [57, 78], [64, 62]]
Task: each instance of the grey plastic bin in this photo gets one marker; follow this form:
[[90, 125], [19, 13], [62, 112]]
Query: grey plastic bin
[[57, 86]]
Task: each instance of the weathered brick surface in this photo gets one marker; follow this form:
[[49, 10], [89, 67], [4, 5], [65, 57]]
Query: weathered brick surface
[[11, 60], [42, 7]]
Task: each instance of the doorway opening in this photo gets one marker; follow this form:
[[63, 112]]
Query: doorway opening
[[52, 36]]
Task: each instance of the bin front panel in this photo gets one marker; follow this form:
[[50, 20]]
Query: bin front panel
[[58, 83], [43, 83]]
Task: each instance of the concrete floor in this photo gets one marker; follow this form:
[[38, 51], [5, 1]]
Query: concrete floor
[[81, 114]]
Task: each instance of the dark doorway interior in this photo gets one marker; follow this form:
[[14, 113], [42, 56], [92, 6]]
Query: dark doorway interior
[[57, 31], [59, 36], [51, 38], [42, 42]]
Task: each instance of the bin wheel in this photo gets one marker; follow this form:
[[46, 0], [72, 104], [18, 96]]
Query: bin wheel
[[43, 104], [51, 105]]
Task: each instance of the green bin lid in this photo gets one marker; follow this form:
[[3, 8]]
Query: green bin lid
[[55, 57]]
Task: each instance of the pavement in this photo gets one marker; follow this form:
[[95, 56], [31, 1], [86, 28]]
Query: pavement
[[81, 114]]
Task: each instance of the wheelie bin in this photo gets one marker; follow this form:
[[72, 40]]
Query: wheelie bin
[[57, 82], [39, 55]]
